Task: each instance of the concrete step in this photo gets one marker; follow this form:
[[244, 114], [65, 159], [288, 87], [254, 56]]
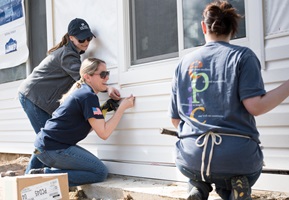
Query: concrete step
[[134, 188], [118, 187]]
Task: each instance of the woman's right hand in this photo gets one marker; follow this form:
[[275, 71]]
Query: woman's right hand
[[127, 102], [105, 128]]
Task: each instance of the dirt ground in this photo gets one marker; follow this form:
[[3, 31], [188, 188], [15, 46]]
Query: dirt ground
[[18, 163], [13, 162]]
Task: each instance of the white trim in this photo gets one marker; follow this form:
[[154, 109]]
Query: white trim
[[277, 35], [149, 72], [123, 36], [28, 63], [255, 28], [180, 26], [49, 24]]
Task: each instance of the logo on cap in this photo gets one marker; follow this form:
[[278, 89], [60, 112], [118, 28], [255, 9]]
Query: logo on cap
[[80, 29], [83, 26]]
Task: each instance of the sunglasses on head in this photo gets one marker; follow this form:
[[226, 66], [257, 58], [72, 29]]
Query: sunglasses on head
[[103, 74], [88, 39]]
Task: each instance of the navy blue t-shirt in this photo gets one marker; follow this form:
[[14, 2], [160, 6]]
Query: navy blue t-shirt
[[69, 123], [207, 92]]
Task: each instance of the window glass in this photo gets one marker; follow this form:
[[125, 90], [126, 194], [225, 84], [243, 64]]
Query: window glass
[[276, 17], [192, 17], [154, 30], [13, 73]]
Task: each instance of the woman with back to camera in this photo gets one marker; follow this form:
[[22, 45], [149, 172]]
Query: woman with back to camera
[[40, 92], [216, 92], [79, 113]]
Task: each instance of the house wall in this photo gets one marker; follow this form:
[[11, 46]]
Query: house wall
[[136, 147]]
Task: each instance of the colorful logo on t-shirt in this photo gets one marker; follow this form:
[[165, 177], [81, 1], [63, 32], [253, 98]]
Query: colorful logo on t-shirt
[[193, 69], [96, 111]]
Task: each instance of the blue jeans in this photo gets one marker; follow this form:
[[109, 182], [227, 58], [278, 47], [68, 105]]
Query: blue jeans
[[81, 166], [37, 118], [222, 181]]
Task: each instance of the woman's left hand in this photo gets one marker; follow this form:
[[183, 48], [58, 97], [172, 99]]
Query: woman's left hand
[[113, 93]]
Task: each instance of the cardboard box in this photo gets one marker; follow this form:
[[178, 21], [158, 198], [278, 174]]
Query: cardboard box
[[35, 187]]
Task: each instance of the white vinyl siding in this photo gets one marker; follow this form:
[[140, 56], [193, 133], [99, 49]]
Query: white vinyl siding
[[137, 148]]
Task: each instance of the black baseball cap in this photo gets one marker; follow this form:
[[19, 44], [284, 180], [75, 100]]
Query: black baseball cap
[[80, 29]]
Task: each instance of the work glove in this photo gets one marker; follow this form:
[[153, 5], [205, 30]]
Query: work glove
[[109, 105]]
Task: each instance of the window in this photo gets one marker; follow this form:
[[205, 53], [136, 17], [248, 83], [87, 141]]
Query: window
[[192, 17], [153, 30], [276, 17], [154, 33]]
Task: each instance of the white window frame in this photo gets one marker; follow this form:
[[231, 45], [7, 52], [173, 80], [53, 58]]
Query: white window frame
[[255, 29], [163, 69], [276, 44], [49, 24]]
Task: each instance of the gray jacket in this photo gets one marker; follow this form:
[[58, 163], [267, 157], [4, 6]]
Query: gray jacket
[[52, 78]]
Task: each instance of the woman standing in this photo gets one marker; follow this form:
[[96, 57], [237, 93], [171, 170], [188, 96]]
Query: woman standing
[[39, 94], [56, 144], [217, 90]]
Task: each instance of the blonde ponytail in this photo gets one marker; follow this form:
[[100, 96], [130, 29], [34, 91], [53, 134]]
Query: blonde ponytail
[[88, 66], [74, 87]]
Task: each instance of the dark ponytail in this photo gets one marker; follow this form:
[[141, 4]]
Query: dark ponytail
[[221, 18], [64, 41]]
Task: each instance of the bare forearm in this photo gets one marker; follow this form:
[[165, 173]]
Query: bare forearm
[[263, 104], [112, 123], [105, 128]]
